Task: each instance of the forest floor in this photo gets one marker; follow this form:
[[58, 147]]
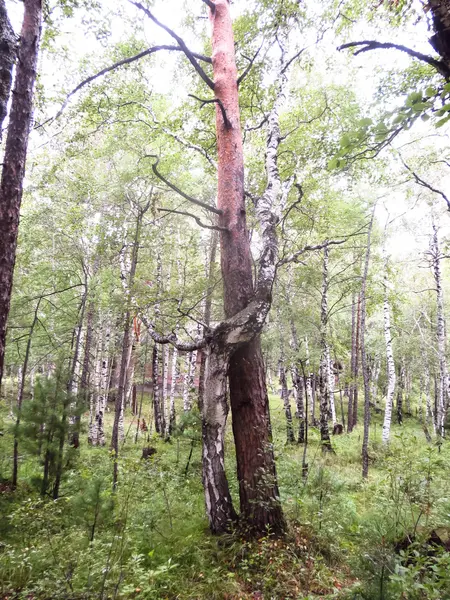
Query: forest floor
[[346, 538]]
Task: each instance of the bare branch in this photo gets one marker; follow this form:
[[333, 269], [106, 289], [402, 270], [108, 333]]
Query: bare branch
[[425, 184], [294, 257], [374, 45], [173, 187], [209, 82], [113, 67], [182, 140], [226, 121], [200, 223], [249, 66]]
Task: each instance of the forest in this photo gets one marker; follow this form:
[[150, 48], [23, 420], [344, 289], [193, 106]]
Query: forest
[[224, 297]]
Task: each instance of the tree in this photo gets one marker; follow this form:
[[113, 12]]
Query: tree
[[13, 171]]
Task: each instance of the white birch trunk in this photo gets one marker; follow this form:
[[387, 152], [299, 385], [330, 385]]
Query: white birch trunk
[[441, 334], [390, 363], [165, 381], [173, 386]]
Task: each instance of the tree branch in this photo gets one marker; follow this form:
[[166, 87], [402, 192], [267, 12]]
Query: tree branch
[[173, 187], [116, 65], [249, 66], [227, 122], [374, 45], [209, 82], [200, 223], [424, 184]]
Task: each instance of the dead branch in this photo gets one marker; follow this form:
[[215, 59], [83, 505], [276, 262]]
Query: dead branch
[[374, 45], [199, 222], [190, 56], [176, 189], [226, 121]]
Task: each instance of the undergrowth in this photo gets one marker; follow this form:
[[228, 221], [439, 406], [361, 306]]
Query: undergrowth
[[347, 538]]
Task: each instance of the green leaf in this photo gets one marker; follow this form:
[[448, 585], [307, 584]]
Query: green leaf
[[442, 121]]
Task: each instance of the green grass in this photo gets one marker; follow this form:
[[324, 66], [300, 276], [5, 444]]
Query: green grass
[[151, 541]]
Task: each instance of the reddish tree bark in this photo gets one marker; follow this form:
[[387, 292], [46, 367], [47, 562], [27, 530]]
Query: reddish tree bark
[[11, 187], [259, 497]]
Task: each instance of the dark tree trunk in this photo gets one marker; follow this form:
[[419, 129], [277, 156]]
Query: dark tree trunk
[[259, 496], [13, 172], [8, 55], [440, 17]]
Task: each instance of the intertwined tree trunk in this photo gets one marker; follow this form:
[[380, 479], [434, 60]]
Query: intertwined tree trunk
[[13, 172], [258, 489]]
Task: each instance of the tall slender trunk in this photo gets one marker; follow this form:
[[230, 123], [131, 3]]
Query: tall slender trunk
[[352, 385], [207, 312], [13, 171], [309, 395], [390, 364], [401, 389], [325, 377], [128, 282], [357, 350], [21, 388], [364, 365], [297, 382], [443, 397], [158, 416], [429, 414], [285, 398], [8, 55]]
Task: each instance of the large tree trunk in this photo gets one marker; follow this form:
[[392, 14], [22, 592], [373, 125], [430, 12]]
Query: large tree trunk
[[8, 55], [389, 358], [364, 365], [259, 497], [13, 172]]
